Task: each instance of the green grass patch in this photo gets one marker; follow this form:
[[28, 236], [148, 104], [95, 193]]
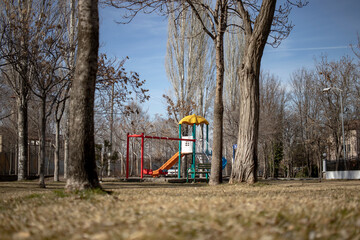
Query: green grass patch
[[34, 196], [90, 193], [61, 193]]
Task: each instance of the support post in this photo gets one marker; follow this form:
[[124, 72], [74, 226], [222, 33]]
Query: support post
[[207, 139], [127, 156], [179, 162], [142, 156], [194, 151]]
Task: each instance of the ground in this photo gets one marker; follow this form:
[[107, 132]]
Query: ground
[[266, 210]]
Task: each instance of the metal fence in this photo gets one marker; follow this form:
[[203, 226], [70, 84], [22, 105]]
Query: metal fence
[[343, 165]]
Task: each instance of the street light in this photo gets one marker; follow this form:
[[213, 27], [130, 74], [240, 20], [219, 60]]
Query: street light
[[342, 115]]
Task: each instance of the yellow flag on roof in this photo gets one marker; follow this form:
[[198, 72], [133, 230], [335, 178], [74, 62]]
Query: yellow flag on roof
[[194, 119]]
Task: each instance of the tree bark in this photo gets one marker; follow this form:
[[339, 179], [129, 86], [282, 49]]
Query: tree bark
[[22, 97], [57, 151], [82, 165], [216, 162], [72, 41], [22, 125], [111, 130], [245, 165], [66, 144], [42, 143]]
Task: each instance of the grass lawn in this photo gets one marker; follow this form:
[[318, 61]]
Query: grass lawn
[[266, 210]]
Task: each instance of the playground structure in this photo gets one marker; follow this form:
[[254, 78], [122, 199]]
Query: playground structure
[[184, 147], [159, 171]]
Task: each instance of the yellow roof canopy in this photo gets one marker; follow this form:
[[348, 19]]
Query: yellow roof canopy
[[193, 119]]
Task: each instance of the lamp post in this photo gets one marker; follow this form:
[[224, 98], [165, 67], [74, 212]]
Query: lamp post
[[342, 116]]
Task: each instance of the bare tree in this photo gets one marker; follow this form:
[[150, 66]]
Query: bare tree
[[342, 76], [181, 58], [305, 98], [115, 88], [234, 51], [60, 105], [290, 135], [272, 114], [48, 68], [259, 23], [16, 19], [82, 165], [189, 67], [189, 61], [356, 48]]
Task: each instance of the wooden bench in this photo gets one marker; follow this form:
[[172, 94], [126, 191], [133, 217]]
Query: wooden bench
[[201, 168]]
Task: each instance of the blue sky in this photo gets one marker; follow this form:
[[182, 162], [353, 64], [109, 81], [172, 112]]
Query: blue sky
[[323, 27]]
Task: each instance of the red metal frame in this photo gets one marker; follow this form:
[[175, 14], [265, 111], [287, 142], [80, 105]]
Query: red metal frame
[[127, 157], [142, 136]]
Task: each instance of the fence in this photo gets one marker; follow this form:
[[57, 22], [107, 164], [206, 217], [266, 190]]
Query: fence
[[343, 169], [8, 163], [343, 165]]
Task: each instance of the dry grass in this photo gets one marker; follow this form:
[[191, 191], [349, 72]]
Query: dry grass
[[267, 210]]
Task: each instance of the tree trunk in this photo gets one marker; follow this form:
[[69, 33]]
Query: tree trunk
[[22, 125], [102, 162], [111, 129], [66, 153], [66, 141], [42, 143], [72, 42], [82, 165], [57, 151], [245, 166], [266, 163], [22, 101], [216, 163]]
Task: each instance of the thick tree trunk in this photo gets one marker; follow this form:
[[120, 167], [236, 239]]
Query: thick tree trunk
[[82, 165], [216, 162], [42, 143], [57, 151], [245, 166], [22, 125]]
